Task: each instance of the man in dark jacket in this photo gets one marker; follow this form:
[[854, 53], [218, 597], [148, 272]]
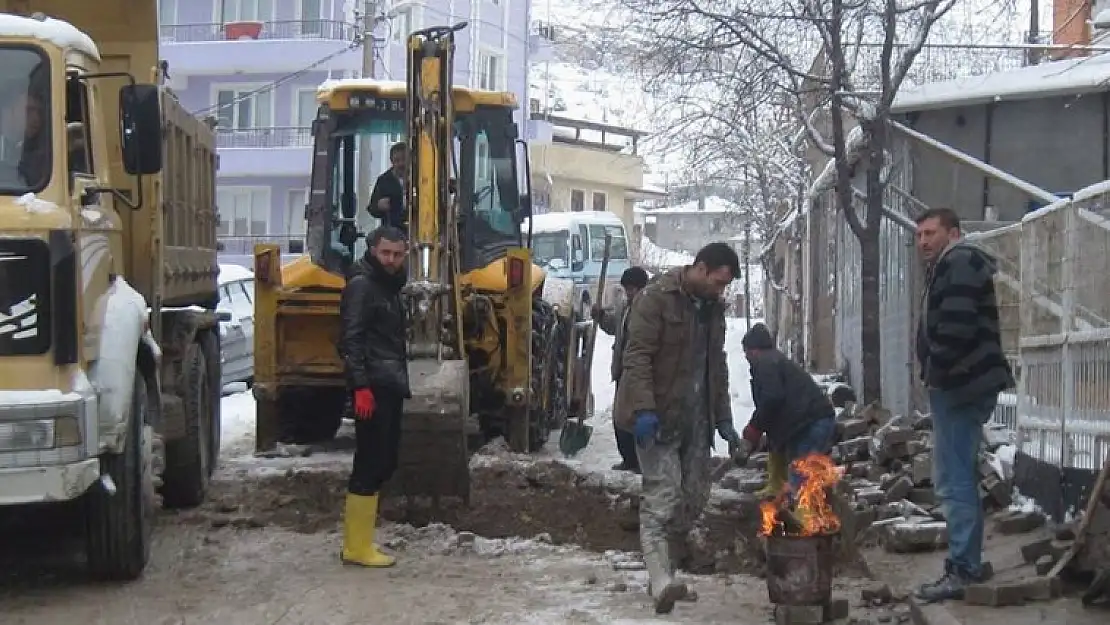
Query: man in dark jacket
[[615, 324], [672, 395], [959, 350], [387, 200], [790, 407], [372, 344]]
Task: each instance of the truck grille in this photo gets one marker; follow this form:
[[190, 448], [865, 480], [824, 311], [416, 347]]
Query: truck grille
[[24, 297]]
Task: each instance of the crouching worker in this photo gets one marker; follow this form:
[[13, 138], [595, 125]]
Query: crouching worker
[[372, 346], [672, 395], [790, 408]]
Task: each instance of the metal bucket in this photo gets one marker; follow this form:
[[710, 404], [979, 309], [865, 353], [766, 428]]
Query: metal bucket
[[800, 569]]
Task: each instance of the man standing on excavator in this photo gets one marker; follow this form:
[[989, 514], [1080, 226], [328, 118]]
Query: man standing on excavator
[[672, 395], [375, 357], [387, 200]]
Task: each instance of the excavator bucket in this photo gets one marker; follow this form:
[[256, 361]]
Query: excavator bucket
[[433, 456]]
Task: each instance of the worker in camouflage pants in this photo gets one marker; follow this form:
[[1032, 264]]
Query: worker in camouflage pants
[[672, 394]]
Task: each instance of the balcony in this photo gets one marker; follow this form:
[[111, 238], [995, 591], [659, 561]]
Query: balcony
[[265, 151], [206, 49]]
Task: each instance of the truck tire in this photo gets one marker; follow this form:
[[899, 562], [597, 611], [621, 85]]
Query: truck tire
[[118, 527], [188, 458]]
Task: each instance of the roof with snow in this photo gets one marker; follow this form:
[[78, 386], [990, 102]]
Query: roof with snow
[[1057, 78], [62, 34], [713, 204]]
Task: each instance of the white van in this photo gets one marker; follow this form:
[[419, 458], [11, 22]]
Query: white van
[[571, 246]]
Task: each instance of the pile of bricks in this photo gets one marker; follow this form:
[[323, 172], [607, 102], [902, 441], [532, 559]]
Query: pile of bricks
[[888, 463]]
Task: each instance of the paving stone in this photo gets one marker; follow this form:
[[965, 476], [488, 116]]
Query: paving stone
[[876, 414], [835, 609], [923, 496], [854, 428], [877, 592], [860, 470], [1018, 522], [922, 421], [799, 615], [917, 447], [854, 449], [922, 469], [875, 473], [999, 492], [872, 496], [899, 489], [1045, 563], [995, 594], [915, 535]]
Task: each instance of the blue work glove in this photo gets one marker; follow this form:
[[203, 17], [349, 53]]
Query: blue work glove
[[647, 427]]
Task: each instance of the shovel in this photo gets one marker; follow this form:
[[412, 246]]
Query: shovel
[[576, 434]]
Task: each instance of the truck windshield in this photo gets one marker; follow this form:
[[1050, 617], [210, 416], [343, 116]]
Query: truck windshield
[[25, 157], [547, 246]]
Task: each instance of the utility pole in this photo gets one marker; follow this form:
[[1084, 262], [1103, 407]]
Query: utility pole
[[365, 144]]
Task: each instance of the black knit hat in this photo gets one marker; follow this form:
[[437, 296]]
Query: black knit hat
[[759, 337]]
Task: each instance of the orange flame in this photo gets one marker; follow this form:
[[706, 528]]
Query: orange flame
[[813, 511]]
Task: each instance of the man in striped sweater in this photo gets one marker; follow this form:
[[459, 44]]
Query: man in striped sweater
[[959, 349]]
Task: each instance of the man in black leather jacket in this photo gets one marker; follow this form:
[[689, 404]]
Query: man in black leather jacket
[[372, 344]]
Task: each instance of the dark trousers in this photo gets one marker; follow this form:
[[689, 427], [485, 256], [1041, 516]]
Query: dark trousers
[[626, 446], [377, 444]]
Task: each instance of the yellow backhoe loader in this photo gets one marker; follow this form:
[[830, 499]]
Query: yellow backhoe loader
[[494, 346]]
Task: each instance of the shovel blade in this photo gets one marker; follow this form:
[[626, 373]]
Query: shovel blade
[[574, 438]]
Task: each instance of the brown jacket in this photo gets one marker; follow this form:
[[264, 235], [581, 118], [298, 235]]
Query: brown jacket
[[657, 357]]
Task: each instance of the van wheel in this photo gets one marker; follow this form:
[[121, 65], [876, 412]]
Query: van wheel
[[188, 459], [118, 527]]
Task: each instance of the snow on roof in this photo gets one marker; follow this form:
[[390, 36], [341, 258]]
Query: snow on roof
[[560, 220], [713, 204], [231, 273], [360, 83], [655, 256], [1057, 78], [62, 34]]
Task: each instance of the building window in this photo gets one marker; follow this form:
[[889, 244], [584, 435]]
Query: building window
[[243, 108], [243, 210], [312, 17], [403, 24], [167, 12], [601, 201], [491, 67], [577, 200], [305, 111], [295, 216], [246, 10]]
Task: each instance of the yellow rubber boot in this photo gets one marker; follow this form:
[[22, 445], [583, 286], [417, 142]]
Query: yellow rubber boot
[[776, 476], [360, 521]]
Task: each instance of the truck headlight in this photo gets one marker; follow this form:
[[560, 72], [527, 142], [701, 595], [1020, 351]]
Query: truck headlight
[[39, 434]]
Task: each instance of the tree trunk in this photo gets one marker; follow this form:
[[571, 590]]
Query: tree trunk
[[870, 244]]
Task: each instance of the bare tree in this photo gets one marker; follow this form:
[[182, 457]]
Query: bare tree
[[722, 68]]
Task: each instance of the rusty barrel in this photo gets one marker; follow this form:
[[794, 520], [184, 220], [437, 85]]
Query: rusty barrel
[[800, 569]]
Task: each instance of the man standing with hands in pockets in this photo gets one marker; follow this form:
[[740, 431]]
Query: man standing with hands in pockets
[[372, 344], [672, 395]]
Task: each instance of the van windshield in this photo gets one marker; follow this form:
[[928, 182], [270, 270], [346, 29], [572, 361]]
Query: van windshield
[[25, 158], [618, 247], [547, 246]]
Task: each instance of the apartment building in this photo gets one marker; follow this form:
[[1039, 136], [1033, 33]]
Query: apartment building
[[254, 66]]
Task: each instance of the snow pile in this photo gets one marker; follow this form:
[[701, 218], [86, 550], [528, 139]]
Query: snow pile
[[654, 256]]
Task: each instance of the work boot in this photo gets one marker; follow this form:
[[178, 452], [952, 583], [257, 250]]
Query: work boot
[[624, 466], [776, 476], [661, 576], [951, 585], [360, 520]]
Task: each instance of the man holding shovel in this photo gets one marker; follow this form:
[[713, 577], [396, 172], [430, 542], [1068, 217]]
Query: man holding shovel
[[673, 393]]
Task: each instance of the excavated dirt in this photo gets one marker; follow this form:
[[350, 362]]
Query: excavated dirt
[[511, 495]]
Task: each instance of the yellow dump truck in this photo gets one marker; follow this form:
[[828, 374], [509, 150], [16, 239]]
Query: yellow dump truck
[[494, 343], [109, 343]]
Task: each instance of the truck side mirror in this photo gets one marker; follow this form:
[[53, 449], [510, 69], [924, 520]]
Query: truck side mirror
[[140, 129]]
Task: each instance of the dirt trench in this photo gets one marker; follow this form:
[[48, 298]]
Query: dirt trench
[[511, 496]]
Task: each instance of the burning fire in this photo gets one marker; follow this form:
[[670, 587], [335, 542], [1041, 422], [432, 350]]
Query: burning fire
[[812, 515]]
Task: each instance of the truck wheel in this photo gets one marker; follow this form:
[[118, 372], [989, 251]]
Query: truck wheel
[[188, 458], [118, 526]]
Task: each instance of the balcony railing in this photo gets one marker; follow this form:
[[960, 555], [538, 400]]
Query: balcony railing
[[243, 244], [297, 29], [279, 137]]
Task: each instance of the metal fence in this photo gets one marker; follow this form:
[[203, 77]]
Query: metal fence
[[243, 245], [273, 137], [287, 29], [1064, 389]]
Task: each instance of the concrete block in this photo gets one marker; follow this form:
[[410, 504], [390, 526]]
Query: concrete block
[[899, 490], [880, 593], [835, 610], [854, 449], [1018, 522], [998, 491], [917, 447], [799, 614], [866, 517], [923, 496], [876, 414], [758, 461], [995, 436], [1034, 551], [922, 469], [893, 436], [860, 470], [1044, 564], [875, 473], [995, 595], [922, 421], [913, 535], [854, 428], [871, 496]]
